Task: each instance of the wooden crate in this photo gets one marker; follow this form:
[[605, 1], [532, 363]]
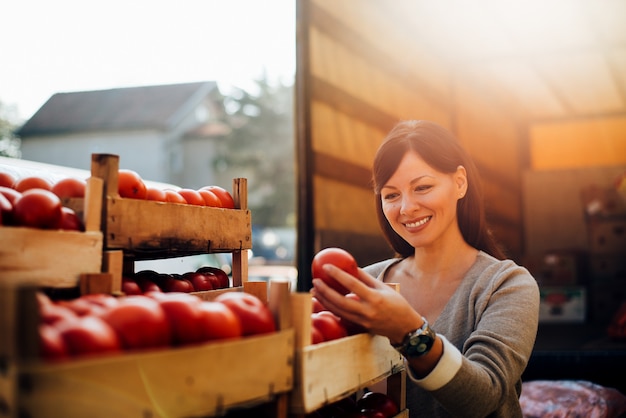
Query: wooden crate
[[54, 258], [329, 371], [204, 380], [148, 229]]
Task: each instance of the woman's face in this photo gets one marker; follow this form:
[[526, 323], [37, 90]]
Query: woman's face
[[420, 202]]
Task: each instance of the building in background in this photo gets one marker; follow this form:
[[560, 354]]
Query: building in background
[[167, 133]]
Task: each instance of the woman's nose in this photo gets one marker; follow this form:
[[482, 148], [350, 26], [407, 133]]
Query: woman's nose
[[409, 205]]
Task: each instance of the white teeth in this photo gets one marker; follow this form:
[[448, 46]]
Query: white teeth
[[419, 223]]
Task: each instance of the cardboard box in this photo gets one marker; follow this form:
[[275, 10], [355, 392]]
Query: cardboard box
[[607, 236], [562, 304]]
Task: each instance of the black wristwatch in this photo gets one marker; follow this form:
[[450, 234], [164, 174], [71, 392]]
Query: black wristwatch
[[417, 343]]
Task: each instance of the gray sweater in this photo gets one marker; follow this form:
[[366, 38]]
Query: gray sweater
[[489, 328]]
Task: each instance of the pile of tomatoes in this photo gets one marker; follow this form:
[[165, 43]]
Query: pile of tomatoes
[[203, 279], [97, 324], [36, 202], [131, 185]]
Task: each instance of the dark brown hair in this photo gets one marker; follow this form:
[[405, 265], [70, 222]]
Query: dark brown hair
[[442, 151]]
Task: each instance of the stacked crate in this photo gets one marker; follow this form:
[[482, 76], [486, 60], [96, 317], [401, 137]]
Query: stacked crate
[[203, 380]]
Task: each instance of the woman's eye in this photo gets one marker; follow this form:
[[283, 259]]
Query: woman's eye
[[423, 188], [389, 196]]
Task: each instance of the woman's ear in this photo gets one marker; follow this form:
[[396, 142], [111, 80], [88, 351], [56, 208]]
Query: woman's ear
[[460, 178]]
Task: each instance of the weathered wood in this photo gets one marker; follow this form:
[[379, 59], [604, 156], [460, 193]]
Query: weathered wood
[[329, 371], [49, 258]]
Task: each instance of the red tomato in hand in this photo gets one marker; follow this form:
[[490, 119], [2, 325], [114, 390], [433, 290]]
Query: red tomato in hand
[[131, 185], [69, 187], [87, 335], [218, 321], [255, 316], [32, 182], [329, 325], [223, 195], [140, 322], [38, 208], [337, 257]]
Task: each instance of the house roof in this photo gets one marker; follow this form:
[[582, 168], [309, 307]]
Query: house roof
[[147, 107]]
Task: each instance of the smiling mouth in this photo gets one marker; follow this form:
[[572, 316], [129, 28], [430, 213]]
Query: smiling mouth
[[418, 223]]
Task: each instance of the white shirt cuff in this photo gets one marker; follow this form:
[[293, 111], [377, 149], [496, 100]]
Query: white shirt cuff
[[448, 365]]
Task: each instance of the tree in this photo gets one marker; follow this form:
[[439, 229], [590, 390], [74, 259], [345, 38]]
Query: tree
[[9, 143], [261, 148]]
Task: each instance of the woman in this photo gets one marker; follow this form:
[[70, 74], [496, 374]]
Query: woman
[[464, 318]]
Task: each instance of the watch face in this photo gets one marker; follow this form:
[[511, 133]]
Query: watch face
[[419, 344]]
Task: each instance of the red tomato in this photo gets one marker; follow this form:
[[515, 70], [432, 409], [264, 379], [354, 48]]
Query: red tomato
[[131, 185], [378, 402], [316, 336], [182, 311], [38, 208], [192, 197], [173, 196], [329, 325], [100, 300], [202, 282], [88, 335], [140, 322], [51, 344], [6, 210], [338, 257], [155, 194], [255, 316], [10, 194], [224, 281], [79, 306], [130, 286], [225, 197], [70, 220], [52, 313], [32, 182], [69, 187], [177, 284], [7, 179], [317, 305], [218, 321], [210, 198]]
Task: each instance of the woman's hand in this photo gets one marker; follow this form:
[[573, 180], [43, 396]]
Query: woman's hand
[[378, 308]]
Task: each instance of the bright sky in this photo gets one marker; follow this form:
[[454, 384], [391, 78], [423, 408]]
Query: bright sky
[[76, 45]]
